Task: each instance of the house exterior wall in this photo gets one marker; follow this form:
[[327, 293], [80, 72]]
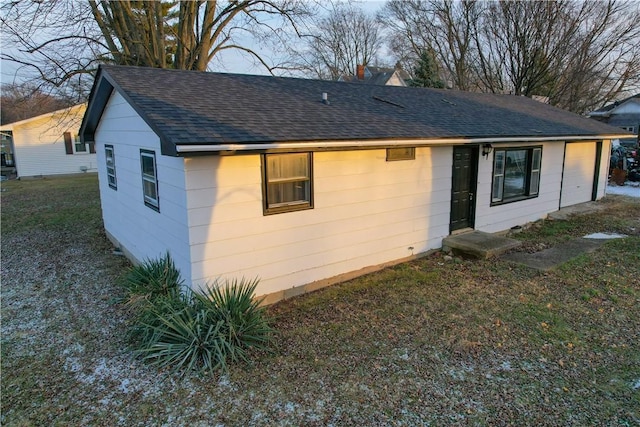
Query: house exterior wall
[[395, 80], [492, 219], [142, 232], [367, 211], [630, 107], [39, 145]]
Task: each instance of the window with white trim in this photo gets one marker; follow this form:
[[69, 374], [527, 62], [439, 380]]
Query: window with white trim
[[516, 174], [628, 128], [287, 182], [80, 147], [111, 166], [149, 179]]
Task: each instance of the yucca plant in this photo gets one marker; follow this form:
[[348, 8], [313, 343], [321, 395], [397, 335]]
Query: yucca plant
[[151, 280], [213, 327], [151, 287]]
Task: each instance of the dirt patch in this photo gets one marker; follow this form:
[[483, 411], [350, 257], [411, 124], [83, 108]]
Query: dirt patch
[[550, 258]]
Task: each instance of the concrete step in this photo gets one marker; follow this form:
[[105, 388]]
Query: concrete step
[[478, 244]]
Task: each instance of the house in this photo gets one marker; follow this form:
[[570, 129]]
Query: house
[[48, 144], [624, 114], [304, 183], [378, 76]]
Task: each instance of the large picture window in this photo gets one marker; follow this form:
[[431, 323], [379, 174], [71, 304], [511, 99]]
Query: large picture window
[[287, 182], [516, 174], [149, 179], [111, 166]]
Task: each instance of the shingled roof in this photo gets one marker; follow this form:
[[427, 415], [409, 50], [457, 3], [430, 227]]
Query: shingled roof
[[198, 111]]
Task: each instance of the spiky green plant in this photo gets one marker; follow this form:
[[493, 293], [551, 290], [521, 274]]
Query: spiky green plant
[[151, 280], [213, 328], [151, 287]]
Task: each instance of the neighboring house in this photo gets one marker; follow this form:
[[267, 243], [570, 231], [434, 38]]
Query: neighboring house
[[49, 144], [6, 154], [378, 76], [624, 114], [303, 183]]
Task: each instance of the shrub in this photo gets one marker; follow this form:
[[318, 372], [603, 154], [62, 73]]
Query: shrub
[[152, 280], [202, 331], [151, 286]]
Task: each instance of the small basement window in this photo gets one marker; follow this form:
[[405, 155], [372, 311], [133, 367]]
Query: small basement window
[[149, 179], [516, 174], [401, 153], [111, 166], [287, 182]]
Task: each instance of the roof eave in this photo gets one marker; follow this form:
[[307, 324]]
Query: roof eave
[[98, 98], [103, 87], [232, 148]]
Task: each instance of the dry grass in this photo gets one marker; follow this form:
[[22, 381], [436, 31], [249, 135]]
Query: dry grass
[[431, 342]]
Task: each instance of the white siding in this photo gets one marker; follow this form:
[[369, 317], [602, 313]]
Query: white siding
[[395, 80], [630, 107], [502, 217], [39, 145], [579, 167], [142, 231], [367, 211]]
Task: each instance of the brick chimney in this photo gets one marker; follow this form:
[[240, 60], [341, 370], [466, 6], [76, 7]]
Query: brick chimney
[[360, 72]]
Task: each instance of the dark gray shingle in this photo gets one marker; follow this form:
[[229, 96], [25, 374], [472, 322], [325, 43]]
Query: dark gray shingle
[[190, 107]]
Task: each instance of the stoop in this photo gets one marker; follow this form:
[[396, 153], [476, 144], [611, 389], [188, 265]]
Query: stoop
[[478, 244]]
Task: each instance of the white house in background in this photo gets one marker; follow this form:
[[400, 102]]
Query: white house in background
[[304, 183], [624, 114], [49, 144], [378, 76]]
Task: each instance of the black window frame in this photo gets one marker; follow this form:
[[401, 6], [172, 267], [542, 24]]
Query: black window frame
[[399, 153], [110, 175], [532, 176], [268, 207], [148, 200]]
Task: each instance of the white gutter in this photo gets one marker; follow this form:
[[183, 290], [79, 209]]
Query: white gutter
[[201, 148]]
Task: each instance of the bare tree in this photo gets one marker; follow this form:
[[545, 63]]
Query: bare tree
[[347, 37], [604, 58], [579, 54], [22, 101], [442, 27], [63, 39]]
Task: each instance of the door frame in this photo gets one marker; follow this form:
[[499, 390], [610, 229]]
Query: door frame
[[473, 184]]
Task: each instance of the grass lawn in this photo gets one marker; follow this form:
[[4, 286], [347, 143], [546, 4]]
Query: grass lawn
[[430, 342]]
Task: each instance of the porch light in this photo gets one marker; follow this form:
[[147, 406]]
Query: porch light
[[487, 149]]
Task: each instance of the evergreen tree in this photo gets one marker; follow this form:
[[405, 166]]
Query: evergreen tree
[[425, 74]]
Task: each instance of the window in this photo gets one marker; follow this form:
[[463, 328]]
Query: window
[[111, 166], [149, 179], [401, 153], [628, 128], [80, 147], [516, 174], [287, 184]]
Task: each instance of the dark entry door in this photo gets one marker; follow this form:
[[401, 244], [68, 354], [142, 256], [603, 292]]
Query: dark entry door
[[463, 187]]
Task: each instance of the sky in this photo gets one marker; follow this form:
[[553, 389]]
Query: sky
[[230, 61]]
